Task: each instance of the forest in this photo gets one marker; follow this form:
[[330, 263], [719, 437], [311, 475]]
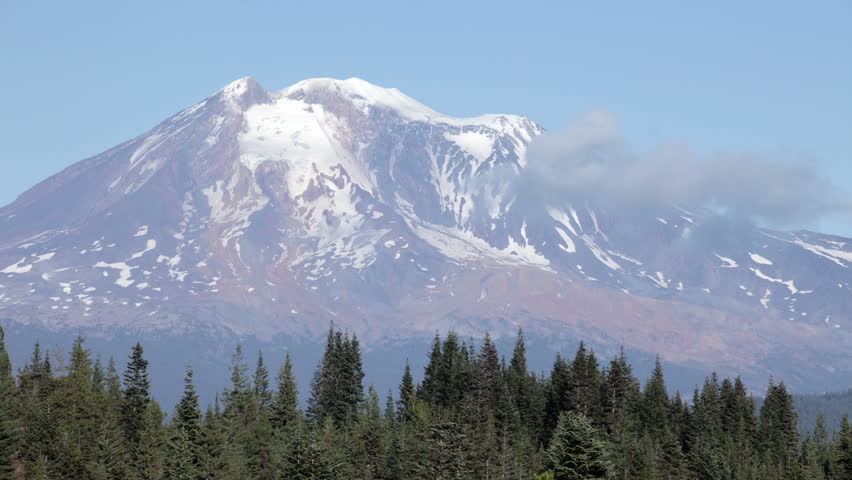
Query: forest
[[475, 415]]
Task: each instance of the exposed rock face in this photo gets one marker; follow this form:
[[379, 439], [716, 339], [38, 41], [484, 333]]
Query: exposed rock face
[[262, 213]]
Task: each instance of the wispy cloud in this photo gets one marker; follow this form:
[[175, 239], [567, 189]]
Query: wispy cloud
[[592, 162]]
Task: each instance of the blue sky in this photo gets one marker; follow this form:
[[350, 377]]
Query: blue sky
[[79, 77]]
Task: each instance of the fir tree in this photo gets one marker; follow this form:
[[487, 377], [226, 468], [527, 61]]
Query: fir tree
[[407, 395], [182, 459], [576, 450], [261, 384], [655, 402], [584, 383], [212, 441], [8, 437], [777, 428], [187, 412], [306, 459], [286, 403], [135, 406], [337, 389], [557, 396]]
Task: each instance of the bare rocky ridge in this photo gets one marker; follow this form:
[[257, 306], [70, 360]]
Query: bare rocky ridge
[[269, 213]]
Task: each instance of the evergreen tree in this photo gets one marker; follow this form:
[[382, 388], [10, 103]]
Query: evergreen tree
[[490, 374], [557, 396], [337, 388], [619, 391], [407, 395], [182, 460], [261, 384], [429, 388], [842, 452], [306, 459], [577, 452], [135, 406], [777, 429], [237, 396], [444, 457], [655, 402], [188, 413], [286, 403], [8, 437], [584, 383], [212, 441]]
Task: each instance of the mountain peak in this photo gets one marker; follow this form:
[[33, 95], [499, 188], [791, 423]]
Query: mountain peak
[[243, 93], [362, 93], [366, 95]]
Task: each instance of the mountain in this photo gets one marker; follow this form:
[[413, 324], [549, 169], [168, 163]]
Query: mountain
[[267, 214]]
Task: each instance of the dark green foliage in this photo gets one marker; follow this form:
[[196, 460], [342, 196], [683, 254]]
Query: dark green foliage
[[8, 437], [577, 450], [137, 399], [337, 389], [473, 417], [305, 458], [187, 413], [286, 403], [261, 383], [407, 396]]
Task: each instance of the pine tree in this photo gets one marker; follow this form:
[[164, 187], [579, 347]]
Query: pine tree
[[655, 402], [113, 385], [519, 383], [135, 407], [842, 464], [306, 459], [152, 445], [8, 437], [619, 391], [777, 428], [286, 403], [182, 459], [212, 441], [822, 446], [337, 388], [490, 373], [236, 398], [444, 457], [407, 395], [584, 383], [429, 388], [261, 384], [73, 401], [369, 456], [557, 396], [187, 412], [576, 450]]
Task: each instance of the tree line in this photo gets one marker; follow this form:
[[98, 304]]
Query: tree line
[[475, 415]]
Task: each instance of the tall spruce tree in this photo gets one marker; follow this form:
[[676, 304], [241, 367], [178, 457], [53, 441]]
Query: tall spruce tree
[[188, 413], [337, 388], [137, 398], [8, 437], [779, 438], [262, 392], [286, 402], [577, 451], [584, 383], [407, 395]]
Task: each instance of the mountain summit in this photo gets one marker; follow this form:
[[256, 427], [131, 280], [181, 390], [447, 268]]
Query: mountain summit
[[270, 213]]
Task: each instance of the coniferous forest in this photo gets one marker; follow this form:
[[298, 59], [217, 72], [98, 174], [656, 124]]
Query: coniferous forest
[[475, 415]]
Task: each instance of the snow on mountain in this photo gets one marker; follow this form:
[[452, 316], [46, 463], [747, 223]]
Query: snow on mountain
[[270, 213]]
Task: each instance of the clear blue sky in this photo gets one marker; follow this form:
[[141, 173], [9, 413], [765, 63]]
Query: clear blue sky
[[79, 77]]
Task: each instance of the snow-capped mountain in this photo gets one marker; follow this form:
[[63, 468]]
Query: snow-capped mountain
[[270, 213]]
